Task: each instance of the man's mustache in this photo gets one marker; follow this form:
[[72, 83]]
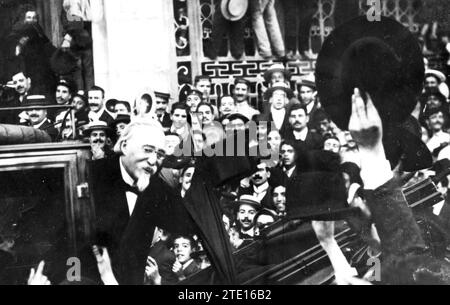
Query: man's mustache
[[98, 142]]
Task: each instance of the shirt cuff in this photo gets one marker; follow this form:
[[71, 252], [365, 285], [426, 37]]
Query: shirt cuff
[[375, 173]]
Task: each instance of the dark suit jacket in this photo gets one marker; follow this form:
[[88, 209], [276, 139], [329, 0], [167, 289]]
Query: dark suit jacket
[[10, 117], [406, 257], [166, 121], [106, 117], [49, 128], [128, 238], [198, 213], [285, 124], [266, 202], [165, 260], [191, 269], [313, 140]]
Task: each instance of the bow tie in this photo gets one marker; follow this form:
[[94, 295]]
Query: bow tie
[[129, 188], [245, 236]]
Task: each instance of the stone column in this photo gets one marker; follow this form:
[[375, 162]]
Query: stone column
[[134, 47]]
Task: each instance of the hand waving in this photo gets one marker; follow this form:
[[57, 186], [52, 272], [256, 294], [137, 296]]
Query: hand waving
[[104, 266], [365, 123], [37, 278]]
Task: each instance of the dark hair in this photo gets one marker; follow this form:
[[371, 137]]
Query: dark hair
[[224, 96], [23, 9], [353, 171], [127, 105], [329, 136], [205, 104], [185, 236], [241, 80], [198, 78], [97, 88], [147, 97], [181, 106], [297, 107], [320, 115]]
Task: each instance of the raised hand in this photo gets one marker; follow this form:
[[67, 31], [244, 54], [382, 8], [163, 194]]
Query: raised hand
[[152, 271], [37, 278], [177, 266], [365, 123], [97, 152], [104, 266], [366, 129]]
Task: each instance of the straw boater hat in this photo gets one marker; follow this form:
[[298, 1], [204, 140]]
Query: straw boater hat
[[277, 68], [279, 86], [248, 200], [308, 80], [96, 125], [234, 10]]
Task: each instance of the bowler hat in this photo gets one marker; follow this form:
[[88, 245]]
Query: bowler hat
[[279, 86], [111, 104], [277, 68], [383, 59], [234, 10], [121, 118]]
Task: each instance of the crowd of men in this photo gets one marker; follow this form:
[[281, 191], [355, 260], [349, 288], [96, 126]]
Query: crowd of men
[[132, 142]]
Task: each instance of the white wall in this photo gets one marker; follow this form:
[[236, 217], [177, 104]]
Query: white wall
[[134, 47]]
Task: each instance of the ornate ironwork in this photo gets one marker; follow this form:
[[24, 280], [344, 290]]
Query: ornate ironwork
[[181, 23], [224, 69]]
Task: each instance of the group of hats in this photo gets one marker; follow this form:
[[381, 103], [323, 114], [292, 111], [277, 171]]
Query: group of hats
[[305, 80], [383, 59], [101, 125]]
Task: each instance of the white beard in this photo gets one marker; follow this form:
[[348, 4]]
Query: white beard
[[143, 182]]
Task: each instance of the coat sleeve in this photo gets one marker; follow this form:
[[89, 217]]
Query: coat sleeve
[[406, 257]]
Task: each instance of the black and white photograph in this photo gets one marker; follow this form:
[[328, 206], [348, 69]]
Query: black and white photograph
[[243, 144]]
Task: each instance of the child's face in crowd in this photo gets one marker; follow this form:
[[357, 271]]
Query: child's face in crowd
[[182, 249]]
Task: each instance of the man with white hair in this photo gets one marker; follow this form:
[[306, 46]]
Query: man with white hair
[[132, 200]]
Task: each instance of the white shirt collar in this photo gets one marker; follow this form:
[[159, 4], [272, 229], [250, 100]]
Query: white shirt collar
[[186, 264], [289, 172], [310, 107], [301, 135], [131, 197], [262, 188], [125, 176], [95, 116], [249, 232], [278, 117], [40, 124]]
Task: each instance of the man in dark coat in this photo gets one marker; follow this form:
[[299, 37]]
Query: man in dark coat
[[299, 130], [131, 200], [38, 116]]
